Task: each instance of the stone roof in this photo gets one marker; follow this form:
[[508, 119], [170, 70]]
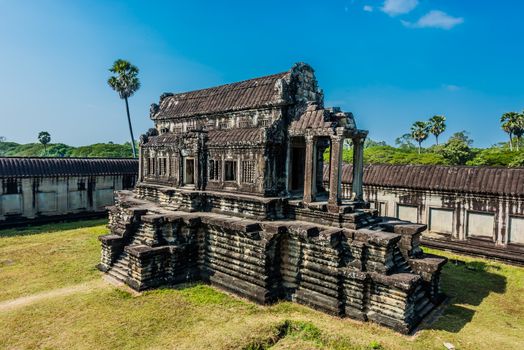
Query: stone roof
[[40, 166], [468, 179], [313, 118], [247, 136], [247, 94]]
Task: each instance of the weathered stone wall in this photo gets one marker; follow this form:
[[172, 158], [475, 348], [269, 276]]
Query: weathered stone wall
[[40, 198], [487, 225]]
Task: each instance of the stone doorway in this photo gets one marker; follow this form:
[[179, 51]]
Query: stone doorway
[[297, 163], [189, 171]]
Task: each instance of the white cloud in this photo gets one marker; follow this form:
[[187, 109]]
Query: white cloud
[[368, 8], [398, 7], [435, 19], [451, 87]]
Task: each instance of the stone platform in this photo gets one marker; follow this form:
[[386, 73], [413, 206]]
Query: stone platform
[[373, 270]]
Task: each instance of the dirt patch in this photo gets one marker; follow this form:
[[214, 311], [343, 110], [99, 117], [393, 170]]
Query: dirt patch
[[61, 292]]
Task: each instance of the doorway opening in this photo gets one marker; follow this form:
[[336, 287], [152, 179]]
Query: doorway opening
[[189, 173]]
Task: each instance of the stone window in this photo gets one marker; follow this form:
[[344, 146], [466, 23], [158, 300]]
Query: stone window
[[245, 123], [177, 130], [162, 166], [81, 186], [223, 125], [248, 171], [264, 122], [11, 186], [151, 166], [214, 169], [174, 167], [230, 173]]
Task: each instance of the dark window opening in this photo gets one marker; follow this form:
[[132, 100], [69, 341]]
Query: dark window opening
[[128, 181], [230, 170], [11, 186], [81, 185]]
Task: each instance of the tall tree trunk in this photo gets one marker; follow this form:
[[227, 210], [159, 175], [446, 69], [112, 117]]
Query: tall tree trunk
[[130, 129], [419, 146], [510, 142], [518, 143], [436, 137]]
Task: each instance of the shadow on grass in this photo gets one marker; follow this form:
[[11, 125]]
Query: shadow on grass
[[51, 227], [466, 284]]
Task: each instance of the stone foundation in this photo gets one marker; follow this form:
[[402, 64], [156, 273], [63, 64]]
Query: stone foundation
[[374, 272]]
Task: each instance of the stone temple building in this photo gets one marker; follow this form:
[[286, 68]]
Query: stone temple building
[[44, 189], [231, 193]]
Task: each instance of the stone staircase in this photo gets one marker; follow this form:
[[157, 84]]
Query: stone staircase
[[401, 265], [120, 268]]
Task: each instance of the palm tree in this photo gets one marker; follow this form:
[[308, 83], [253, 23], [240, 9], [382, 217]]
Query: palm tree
[[126, 83], [437, 125], [518, 129], [420, 132], [44, 137], [508, 122]]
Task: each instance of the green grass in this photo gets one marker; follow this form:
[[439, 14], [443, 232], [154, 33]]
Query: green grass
[[485, 310]]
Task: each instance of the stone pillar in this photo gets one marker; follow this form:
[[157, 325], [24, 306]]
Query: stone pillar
[[309, 171], [335, 173], [358, 168], [140, 164]]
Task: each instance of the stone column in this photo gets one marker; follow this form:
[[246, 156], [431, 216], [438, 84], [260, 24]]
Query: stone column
[[358, 168], [309, 171], [335, 172], [140, 164]]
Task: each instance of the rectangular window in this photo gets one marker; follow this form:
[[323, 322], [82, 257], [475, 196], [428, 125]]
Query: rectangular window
[[248, 171], [162, 166], [81, 185], [223, 125], [263, 122], [11, 186], [214, 167], [151, 166], [230, 173], [245, 123]]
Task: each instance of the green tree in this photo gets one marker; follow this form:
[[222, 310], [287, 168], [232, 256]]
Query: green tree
[[126, 83], [44, 138], [437, 125], [419, 132], [405, 142], [518, 128], [509, 123], [457, 151]]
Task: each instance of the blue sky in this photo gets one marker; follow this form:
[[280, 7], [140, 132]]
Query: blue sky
[[389, 62]]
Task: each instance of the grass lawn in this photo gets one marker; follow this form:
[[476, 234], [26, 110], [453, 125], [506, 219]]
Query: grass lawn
[[486, 308]]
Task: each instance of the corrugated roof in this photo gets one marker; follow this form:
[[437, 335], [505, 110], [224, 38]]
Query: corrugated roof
[[470, 179], [34, 166], [247, 136], [312, 119], [252, 93]]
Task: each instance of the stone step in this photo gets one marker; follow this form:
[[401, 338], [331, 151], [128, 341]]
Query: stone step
[[118, 273], [422, 311]]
